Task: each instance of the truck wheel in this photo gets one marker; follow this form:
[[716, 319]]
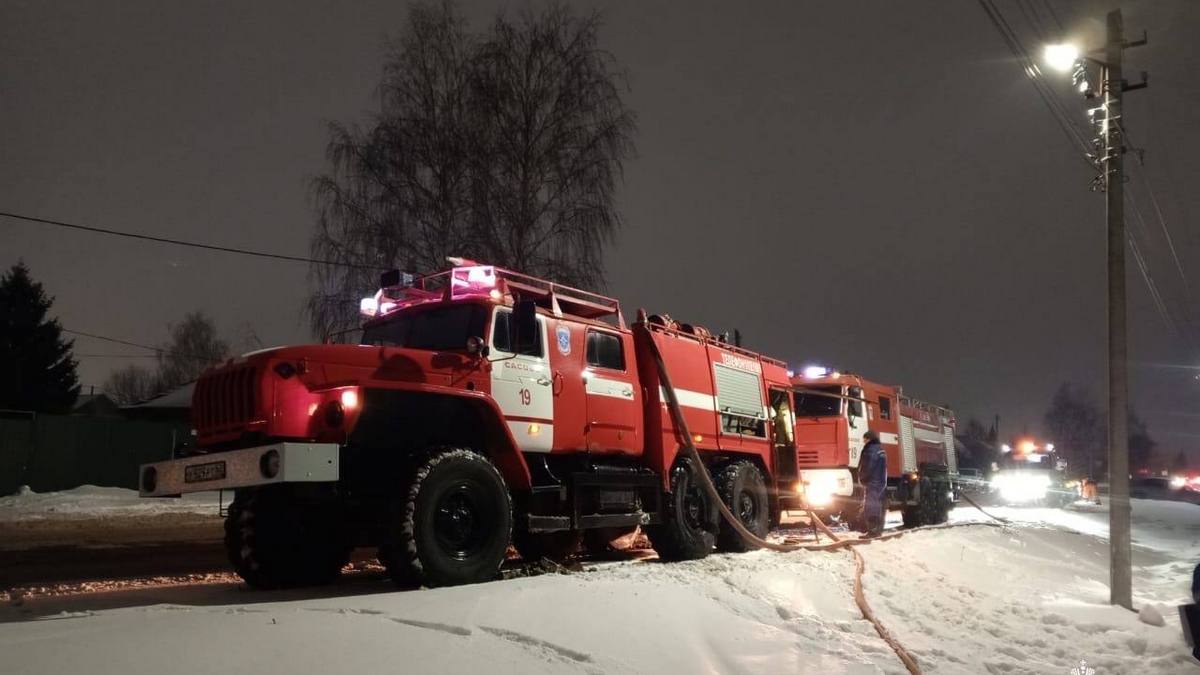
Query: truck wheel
[[928, 503], [941, 506], [913, 515], [742, 487], [274, 540], [453, 523], [555, 546], [689, 519], [600, 541]]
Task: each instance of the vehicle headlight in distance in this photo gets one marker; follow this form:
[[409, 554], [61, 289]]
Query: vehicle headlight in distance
[[1022, 487]]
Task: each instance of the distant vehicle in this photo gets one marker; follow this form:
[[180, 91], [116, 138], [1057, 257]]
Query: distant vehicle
[[1030, 475], [1154, 487], [972, 480]]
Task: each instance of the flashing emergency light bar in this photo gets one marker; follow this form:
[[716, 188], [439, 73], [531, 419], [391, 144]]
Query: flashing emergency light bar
[[458, 281]]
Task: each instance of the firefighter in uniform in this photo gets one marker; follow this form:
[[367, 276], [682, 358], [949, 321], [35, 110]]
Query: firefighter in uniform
[[872, 473]]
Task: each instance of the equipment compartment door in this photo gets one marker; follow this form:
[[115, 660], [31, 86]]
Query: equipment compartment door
[[613, 408], [521, 385]]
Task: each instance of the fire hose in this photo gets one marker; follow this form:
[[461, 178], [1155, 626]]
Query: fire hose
[[837, 543]]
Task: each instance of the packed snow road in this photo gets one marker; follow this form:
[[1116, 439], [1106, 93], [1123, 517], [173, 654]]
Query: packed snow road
[[1031, 598]]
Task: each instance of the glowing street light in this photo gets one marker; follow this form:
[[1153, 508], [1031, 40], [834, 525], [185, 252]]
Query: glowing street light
[[1061, 57]]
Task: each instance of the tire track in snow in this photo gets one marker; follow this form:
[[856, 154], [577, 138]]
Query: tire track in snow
[[433, 625], [549, 648]]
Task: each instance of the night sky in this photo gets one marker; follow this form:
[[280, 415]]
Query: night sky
[[871, 185]]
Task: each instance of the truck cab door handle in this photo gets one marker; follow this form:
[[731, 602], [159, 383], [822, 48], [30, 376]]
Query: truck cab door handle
[[543, 381]]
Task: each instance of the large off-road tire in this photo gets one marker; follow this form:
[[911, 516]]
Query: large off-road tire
[[688, 530], [275, 540], [942, 505], [602, 541], [553, 546], [452, 524], [926, 510], [744, 491]]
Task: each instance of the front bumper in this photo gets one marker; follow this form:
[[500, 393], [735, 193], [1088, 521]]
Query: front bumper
[[263, 465]]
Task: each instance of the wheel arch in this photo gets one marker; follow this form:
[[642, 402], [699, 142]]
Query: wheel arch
[[418, 416]]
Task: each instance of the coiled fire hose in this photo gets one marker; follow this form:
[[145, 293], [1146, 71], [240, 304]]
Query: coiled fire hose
[[711, 489]]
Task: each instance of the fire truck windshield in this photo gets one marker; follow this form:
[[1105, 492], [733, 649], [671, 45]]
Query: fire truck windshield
[[815, 405], [437, 328]]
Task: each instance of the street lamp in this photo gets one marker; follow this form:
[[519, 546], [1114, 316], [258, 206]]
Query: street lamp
[[1061, 57]]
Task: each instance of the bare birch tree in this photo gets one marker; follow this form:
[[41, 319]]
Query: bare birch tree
[[504, 147]]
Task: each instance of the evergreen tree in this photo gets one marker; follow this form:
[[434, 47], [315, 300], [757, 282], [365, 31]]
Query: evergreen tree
[[37, 371]]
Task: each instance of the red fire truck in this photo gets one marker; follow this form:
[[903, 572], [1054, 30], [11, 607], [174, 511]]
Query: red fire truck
[[834, 410], [482, 407]]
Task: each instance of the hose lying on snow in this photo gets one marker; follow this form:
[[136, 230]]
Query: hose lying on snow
[[837, 543]]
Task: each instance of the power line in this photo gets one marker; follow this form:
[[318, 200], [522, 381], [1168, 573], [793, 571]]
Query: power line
[[1066, 123], [1056, 107], [157, 350], [113, 340], [1167, 315], [1141, 263], [1054, 15], [1162, 223], [180, 242]]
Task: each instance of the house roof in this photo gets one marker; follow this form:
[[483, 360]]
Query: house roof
[[180, 398]]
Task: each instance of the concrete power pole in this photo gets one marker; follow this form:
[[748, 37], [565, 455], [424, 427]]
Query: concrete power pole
[[1120, 562], [1112, 165]]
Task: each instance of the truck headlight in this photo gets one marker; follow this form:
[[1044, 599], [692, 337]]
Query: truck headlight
[[820, 488], [268, 464]]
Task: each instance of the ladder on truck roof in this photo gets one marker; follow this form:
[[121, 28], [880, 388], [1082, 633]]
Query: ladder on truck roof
[[665, 324], [560, 299]]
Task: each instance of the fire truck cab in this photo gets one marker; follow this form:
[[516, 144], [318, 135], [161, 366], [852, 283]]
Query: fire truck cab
[[482, 407], [833, 412]]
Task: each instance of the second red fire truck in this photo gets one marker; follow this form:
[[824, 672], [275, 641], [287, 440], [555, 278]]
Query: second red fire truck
[[834, 410], [484, 407]]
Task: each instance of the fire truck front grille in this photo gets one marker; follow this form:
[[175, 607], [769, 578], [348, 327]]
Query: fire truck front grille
[[225, 400], [804, 457]]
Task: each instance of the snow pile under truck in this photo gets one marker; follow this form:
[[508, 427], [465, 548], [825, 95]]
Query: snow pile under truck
[[834, 410], [483, 407]]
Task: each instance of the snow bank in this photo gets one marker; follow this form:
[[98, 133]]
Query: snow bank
[[89, 501]]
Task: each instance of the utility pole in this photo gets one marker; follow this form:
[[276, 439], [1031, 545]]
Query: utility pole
[[1120, 560], [1112, 86]]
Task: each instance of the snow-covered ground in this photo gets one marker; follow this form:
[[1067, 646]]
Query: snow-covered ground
[[1031, 598], [90, 501]]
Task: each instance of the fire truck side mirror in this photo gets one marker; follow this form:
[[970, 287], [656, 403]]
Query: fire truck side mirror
[[523, 326], [477, 347]]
